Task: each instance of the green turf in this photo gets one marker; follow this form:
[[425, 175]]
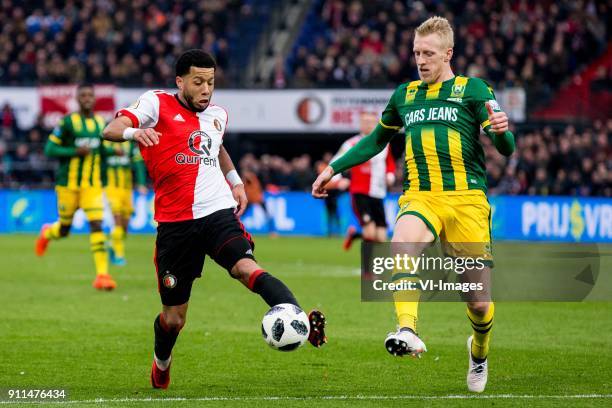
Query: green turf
[[56, 331]]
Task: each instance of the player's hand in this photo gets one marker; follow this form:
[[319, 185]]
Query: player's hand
[[390, 179], [82, 151], [119, 151], [241, 198], [318, 187], [142, 190], [498, 120], [147, 137]]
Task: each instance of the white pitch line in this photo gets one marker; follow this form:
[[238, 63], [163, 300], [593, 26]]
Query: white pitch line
[[315, 398]]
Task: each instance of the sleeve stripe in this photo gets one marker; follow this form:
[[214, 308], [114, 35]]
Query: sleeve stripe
[[388, 127], [485, 123], [130, 115], [55, 139]]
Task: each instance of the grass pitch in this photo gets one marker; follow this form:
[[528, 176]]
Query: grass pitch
[[56, 331]]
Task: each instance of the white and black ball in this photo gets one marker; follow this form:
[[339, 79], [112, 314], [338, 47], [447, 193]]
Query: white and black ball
[[285, 327]]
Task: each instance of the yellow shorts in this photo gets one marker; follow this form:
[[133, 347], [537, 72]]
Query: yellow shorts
[[461, 220], [120, 200], [90, 199]]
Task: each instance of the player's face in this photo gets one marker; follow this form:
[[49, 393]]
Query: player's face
[[432, 58], [367, 122], [197, 87], [86, 98]]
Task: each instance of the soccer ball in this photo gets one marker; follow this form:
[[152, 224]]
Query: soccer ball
[[285, 327]]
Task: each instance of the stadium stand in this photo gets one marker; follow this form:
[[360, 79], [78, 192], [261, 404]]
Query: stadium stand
[[538, 45], [543, 47], [128, 43]]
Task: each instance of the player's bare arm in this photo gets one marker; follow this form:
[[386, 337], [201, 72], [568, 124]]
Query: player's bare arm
[[232, 177], [120, 129], [363, 151], [82, 151], [318, 187]]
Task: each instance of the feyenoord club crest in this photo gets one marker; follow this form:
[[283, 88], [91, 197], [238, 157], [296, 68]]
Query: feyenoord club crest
[[217, 124], [200, 143], [169, 280]]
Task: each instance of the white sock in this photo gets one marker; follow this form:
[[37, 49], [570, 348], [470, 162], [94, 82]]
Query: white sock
[[162, 364]]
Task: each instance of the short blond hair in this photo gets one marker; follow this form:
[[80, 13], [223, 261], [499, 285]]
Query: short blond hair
[[438, 25]]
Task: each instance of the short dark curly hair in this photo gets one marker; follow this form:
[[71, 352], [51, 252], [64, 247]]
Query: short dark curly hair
[[193, 58]]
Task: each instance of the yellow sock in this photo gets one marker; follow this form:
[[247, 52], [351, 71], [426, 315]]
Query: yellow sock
[[406, 302], [118, 241], [97, 242], [53, 232], [407, 314], [481, 326]]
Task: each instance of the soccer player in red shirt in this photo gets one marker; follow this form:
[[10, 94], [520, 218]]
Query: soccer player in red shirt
[[199, 198], [368, 186]]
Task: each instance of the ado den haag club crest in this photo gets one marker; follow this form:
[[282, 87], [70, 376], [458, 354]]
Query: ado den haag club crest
[[458, 90]]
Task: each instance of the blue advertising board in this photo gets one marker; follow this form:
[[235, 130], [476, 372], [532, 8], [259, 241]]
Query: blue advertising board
[[564, 219]]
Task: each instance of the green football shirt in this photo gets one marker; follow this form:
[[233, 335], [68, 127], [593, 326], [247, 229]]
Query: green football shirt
[[119, 172], [75, 130], [442, 122]]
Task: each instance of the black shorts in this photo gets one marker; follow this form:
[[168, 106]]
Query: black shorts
[[181, 247], [369, 209]]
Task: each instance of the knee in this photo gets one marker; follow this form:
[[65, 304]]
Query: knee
[[174, 322], [369, 235], [478, 308], [368, 231]]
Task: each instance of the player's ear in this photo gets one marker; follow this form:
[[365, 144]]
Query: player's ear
[[449, 55], [179, 83]]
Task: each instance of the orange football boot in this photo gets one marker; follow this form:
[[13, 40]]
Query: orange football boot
[[41, 242], [104, 282], [350, 237]]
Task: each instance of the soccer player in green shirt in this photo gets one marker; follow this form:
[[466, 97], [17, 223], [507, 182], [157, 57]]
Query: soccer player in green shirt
[[124, 170], [77, 143], [445, 179]]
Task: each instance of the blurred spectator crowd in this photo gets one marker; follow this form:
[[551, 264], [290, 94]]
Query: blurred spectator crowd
[[124, 42], [563, 161], [548, 162], [343, 43], [368, 43]]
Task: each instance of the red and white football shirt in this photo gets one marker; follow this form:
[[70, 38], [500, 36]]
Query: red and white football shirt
[[184, 166], [369, 178]]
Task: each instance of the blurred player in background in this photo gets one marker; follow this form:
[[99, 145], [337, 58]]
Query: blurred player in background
[[255, 194], [368, 186], [331, 201], [444, 188], [119, 191], [199, 198], [77, 143]]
